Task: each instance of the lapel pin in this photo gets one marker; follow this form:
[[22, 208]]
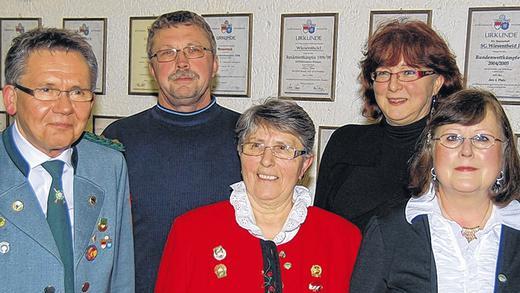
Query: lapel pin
[[92, 200], [315, 287], [91, 253], [17, 206], [316, 271], [103, 224], [220, 271], [219, 253], [4, 247]]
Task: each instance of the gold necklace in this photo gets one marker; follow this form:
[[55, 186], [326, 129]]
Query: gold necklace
[[468, 233]]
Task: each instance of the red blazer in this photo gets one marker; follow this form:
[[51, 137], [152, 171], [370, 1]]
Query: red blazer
[[188, 262]]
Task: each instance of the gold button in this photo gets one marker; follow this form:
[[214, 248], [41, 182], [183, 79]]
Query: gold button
[[2, 222], [287, 265]]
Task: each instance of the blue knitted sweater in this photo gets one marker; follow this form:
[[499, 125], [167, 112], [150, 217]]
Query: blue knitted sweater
[[176, 162]]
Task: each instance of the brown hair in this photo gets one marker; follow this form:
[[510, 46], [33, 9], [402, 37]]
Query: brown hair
[[174, 19], [419, 46], [467, 107]]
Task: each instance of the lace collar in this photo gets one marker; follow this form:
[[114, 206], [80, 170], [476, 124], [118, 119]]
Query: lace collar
[[245, 218]]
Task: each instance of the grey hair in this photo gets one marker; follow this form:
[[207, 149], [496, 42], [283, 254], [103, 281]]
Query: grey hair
[[174, 19], [46, 39], [282, 115]]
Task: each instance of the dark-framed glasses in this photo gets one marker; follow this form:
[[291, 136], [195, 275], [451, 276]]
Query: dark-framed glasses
[[404, 75], [190, 52], [480, 141], [50, 94], [280, 151]]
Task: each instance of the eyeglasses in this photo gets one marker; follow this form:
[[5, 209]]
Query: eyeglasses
[[405, 75], [480, 141], [190, 52], [49, 94], [280, 151]]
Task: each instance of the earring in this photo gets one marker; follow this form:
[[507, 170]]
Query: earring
[[434, 176], [498, 183], [434, 101]]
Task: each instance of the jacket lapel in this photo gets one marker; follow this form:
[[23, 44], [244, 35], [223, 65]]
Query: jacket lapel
[[421, 226], [28, 217], [15, 190], [88, 201]]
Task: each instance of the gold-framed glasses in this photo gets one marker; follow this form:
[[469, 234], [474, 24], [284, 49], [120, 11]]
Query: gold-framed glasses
[[50, 94], [480, 141], [404, 75], [281, 151], [190, 52]]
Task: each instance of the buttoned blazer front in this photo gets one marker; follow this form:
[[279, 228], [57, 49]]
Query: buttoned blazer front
[[30, 260], [396, 256]]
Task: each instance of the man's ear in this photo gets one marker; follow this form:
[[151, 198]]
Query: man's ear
[[10, 97]]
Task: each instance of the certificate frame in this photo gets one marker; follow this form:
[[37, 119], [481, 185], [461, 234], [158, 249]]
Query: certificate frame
[[324, 134], [140, 81], [233, 34], [4, 120], [380, 16], [10, 27], [95, 32], [100, 122], [307, 70], [499, 70], [517, 137]]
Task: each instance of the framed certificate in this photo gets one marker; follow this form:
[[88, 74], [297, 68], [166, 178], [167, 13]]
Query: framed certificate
[[233, 35], [4, 120], [308, 56], [377, 17], [517, 135], [493, 52], [99, 122], [94, 31], [9, 29], [324, 134], [140, 81]]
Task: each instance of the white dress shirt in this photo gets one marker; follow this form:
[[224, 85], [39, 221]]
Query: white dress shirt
[[462, 266], [39, 179]]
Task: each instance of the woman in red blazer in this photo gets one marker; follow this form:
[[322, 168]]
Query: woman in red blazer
[[267, 237]]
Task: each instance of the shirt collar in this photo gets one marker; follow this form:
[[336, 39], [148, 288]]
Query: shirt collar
[[32, 155], [245, 218], [427, 204]]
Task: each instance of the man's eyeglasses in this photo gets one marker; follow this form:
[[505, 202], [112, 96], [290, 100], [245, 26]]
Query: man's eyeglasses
[[190, 52], [280, 151], [480, 141], [50, 94], [405, 75]]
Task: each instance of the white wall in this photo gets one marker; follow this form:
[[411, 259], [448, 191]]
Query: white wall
[[448, 17]]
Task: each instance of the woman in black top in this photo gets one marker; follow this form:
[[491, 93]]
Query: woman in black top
[[363, 172]]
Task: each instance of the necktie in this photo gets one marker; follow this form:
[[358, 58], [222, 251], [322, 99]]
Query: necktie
[[59, 222]]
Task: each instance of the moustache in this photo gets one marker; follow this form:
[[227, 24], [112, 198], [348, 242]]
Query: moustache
[[183, 74]]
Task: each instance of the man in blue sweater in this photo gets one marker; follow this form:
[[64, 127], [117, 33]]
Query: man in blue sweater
[[181, 153]]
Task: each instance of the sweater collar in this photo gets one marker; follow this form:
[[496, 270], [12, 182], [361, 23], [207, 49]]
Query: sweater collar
[[405, 133], [194, 118]]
